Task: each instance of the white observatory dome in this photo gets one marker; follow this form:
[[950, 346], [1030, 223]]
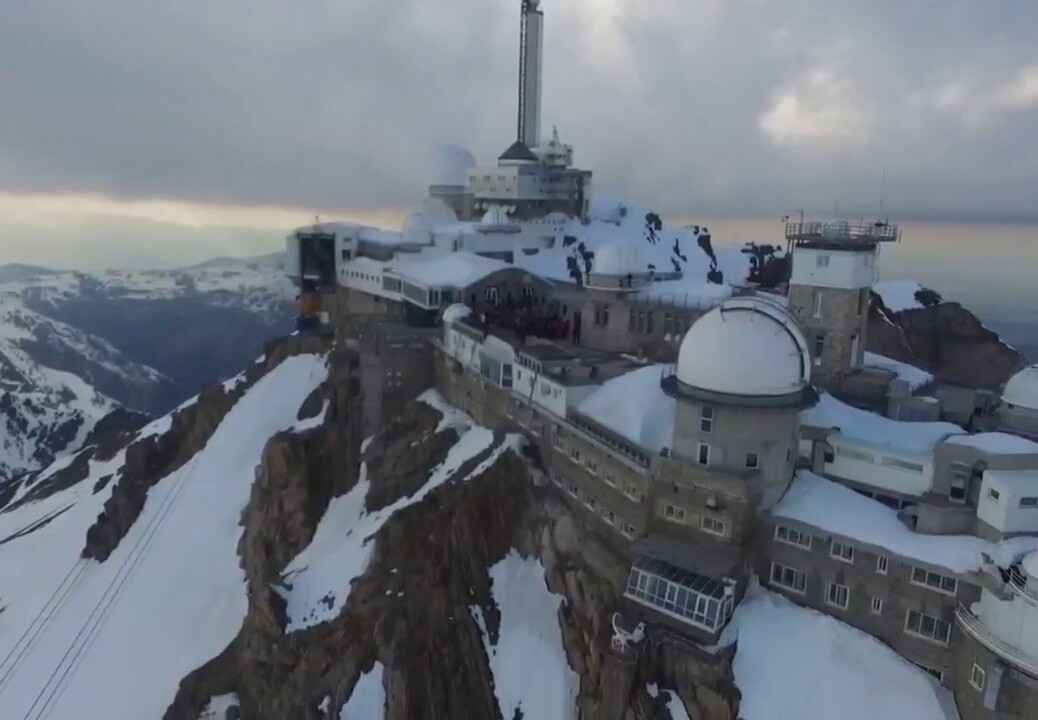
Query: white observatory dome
[[439, 212], [1030, 564], [418, 229], [456, 312], [618, 258], [451, 165], [746, 346], [1022, 389]]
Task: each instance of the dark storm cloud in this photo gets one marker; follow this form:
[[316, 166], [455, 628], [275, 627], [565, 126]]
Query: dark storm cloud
[[708, 107]]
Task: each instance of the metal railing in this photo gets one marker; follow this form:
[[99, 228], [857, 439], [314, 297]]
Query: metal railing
[[1018, 582], [975, 628], [841, 231]]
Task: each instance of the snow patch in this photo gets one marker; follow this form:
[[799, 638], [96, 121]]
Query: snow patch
[[876, 430], [675, 707], [531, 672], [317, 582], [792, 662], [833, 508], [915, 377], [171, 596], [368, 699], [218, 707], [634, 405]]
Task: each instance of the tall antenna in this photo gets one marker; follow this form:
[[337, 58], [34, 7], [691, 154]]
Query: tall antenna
[[882, 192], [523, 10]]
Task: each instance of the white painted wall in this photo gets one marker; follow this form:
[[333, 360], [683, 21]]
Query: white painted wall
[[876, 474], [292, 268], [550, 395], [1004, 513], [1015, 622], [843, 269], [366, 275]]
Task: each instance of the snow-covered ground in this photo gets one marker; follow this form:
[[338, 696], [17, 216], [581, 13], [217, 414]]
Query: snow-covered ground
[[368, 699], [836, 509], [793, 662], [123, 633], [318, 580], [899, 295], [531, 672], [914, 376], [675, 707]]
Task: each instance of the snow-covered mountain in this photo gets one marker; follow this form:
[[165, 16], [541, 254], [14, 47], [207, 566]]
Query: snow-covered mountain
[[249, 551], [75, 346]]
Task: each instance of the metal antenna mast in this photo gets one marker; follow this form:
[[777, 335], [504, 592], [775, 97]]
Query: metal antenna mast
[[525, 7]]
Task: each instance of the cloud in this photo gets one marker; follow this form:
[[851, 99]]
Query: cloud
[[734, 107]]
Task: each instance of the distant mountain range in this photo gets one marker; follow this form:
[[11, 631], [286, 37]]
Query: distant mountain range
[[74, 346]]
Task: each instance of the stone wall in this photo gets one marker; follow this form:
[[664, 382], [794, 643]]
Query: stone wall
[[842, 320], [893, 588], [1005, 692]]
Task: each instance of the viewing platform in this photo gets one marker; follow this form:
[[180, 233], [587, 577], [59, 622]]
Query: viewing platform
[[975, 628], [841, 233]]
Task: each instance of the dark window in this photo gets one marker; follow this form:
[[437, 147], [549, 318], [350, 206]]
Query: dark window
[[704, 454], [819, 345], [752, 461]]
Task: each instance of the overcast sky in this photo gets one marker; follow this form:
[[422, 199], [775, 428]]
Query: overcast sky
[[165, 119]]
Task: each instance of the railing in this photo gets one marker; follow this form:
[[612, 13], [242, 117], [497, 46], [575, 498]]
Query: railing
[[840, 231], [975, 628], [1018, 582]]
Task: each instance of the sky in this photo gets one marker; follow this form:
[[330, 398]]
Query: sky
[[143, 132]]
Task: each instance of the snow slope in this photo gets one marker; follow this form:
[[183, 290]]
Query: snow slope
[[675, 707], [317, 582], [368, 699], [531, 672], [170, 597], [793, 662]]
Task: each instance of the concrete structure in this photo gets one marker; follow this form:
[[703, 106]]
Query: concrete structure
[[834, 269]]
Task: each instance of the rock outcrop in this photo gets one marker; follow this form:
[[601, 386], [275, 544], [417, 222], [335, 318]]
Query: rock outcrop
[[947, 340], [410, 609]]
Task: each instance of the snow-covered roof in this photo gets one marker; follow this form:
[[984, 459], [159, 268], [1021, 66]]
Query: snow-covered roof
[[865, 427], [456, 269], [836, 509], [1022, 389], [997, 443], [914, 376], [634, 405], [794, 662], [689, 292], [746, 346], [899, 295], [618, 258], [451, 165]]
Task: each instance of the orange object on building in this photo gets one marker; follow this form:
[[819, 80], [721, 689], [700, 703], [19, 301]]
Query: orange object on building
[[309, 304]]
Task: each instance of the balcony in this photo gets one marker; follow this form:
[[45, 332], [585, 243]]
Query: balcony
[[975, 628]]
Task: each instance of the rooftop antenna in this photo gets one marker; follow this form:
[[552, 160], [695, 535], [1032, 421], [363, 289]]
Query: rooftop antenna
[[531, 42], [882, 192]]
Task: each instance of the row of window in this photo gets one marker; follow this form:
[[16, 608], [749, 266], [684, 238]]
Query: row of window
[[845, 553], [1025, 502], [627, 529], [838, 595], [707, 523], [630, 489], [867, 457], [678, 601]]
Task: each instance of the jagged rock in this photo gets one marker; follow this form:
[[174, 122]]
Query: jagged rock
[[152, 458], [945, 339]]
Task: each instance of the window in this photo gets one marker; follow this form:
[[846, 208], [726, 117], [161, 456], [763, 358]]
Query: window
[[882, 564], [935, 674], [977, 677], [633, 492], [592, 466], [673, 512], [712, 525], [877, 606], [817, 309], [491, 295], [993, 494], [793, 537], [609, 479], [629, 530], [789, 578], [927, 627], [837, 595], [957, 493], [706, 419], [648, 323], [856, 454], [902, 464], [819, 347], [1029, 502], [841, 552], [574, 455], [752, 461], [934, 581], [703, 456], [822, 261]]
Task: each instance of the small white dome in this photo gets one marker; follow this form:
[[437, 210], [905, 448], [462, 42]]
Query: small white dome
[[1022, 389], [618, 258], [451, 166], [418, 229], [745, 346], [496, 215], [456, 312], [439, 212]]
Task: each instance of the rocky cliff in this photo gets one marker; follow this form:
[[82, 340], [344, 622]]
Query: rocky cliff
[[944, 338], [412, 609]]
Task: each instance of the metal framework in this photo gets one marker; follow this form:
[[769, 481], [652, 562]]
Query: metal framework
[[526, 7]]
